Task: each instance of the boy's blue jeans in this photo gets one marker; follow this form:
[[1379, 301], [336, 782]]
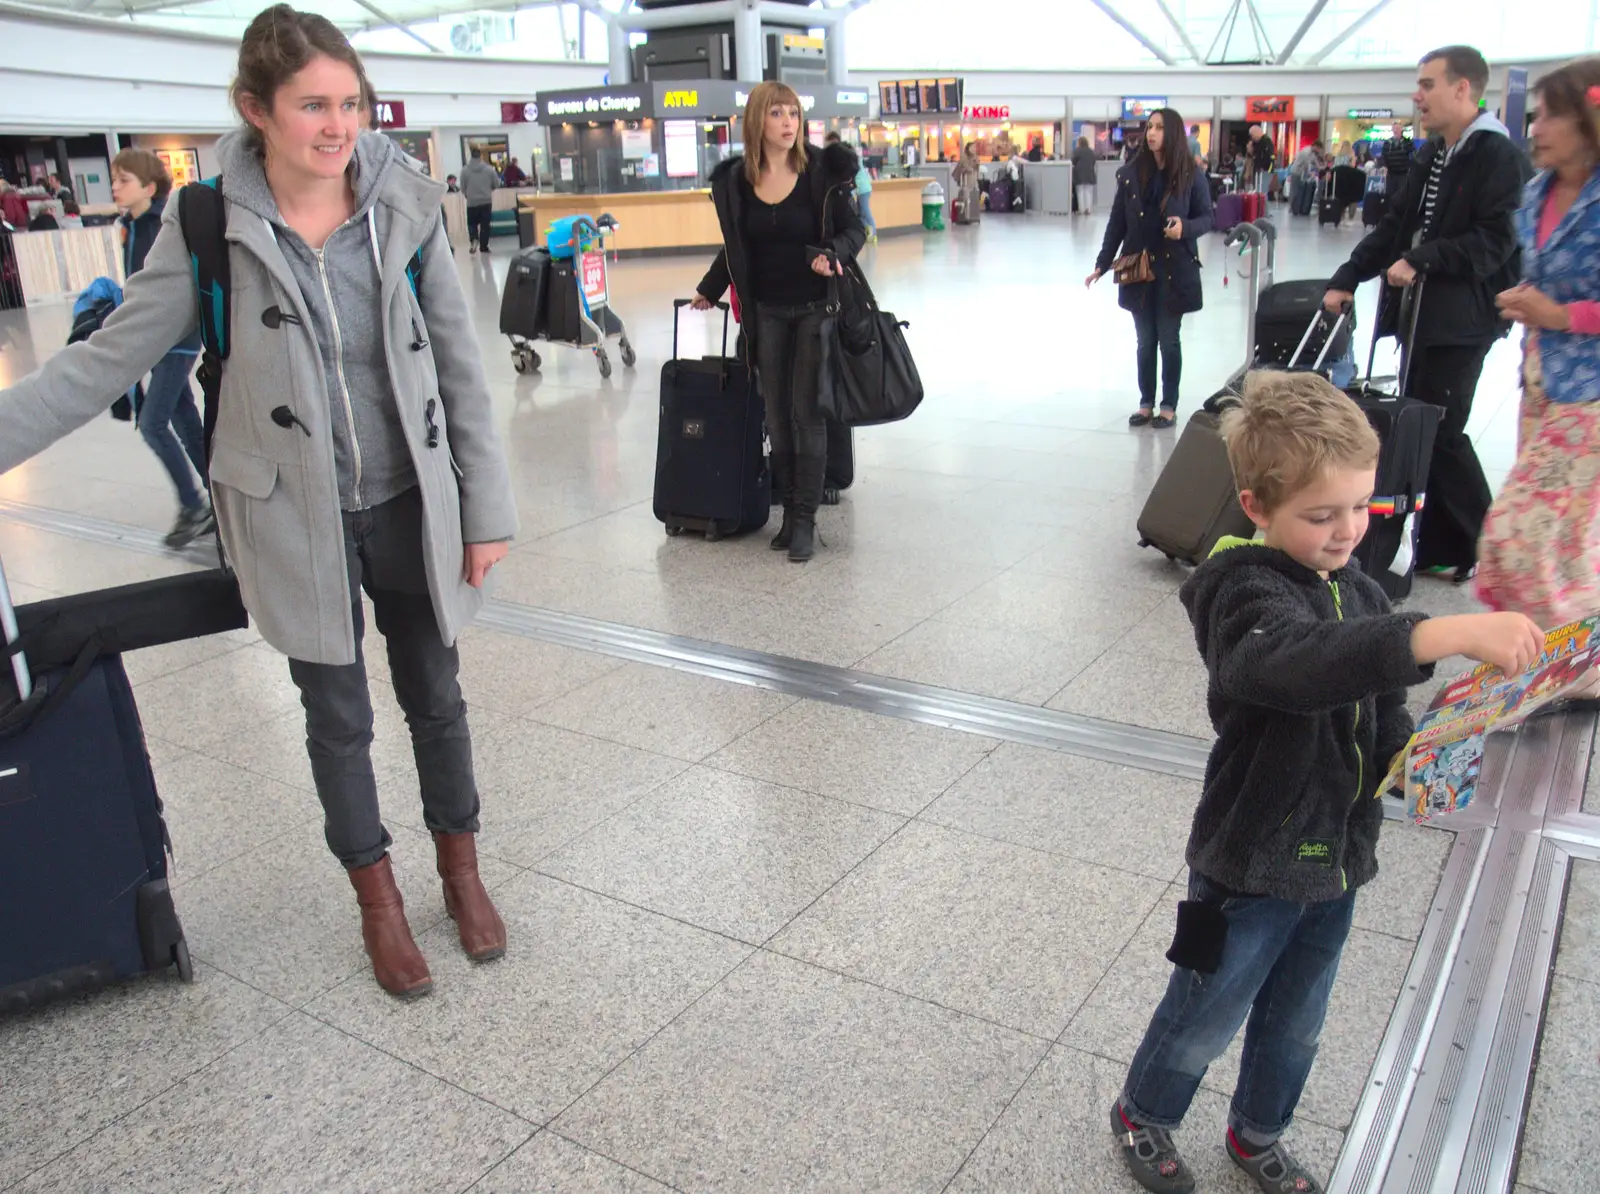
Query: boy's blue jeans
[[170, 423], [1279, 960]]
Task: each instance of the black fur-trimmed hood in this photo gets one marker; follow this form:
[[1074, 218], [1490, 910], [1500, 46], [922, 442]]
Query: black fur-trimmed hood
[[839, 163]]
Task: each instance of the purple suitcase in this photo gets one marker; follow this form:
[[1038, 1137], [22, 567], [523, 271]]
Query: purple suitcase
[[1230, 211]]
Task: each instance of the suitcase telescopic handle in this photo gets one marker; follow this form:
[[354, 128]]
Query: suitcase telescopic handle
[[8, 624], [1346, 309], [679, 304]]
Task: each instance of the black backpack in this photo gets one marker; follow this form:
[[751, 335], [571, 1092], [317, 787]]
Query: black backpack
[[203, 218]]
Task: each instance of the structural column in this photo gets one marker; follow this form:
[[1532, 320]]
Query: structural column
[[621, 55], [838, 68], [747, 41]]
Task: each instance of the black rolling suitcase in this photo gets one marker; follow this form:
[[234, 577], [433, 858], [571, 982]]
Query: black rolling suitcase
[[522, 304], [1406, 428], [563, 313], [841, 468], [84, 898], [711, 460]]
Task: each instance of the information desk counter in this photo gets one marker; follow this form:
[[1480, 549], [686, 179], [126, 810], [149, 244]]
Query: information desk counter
[[656, 222]]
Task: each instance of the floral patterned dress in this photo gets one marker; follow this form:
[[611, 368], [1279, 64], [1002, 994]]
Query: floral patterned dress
[[1540, 550]]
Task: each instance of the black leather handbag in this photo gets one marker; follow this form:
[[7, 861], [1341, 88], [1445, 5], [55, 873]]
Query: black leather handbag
[[868, 375]]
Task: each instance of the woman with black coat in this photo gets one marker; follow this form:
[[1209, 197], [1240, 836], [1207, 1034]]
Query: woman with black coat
[[1162, 208], [778, 203]]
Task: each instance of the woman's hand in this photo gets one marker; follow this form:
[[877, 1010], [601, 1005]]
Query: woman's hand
[[1174, 229], [1093, 278], [1533, 308], [700, 302], [480, 558], [820, 264]]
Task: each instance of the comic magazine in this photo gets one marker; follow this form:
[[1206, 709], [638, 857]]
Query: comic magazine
[[1438, 770]]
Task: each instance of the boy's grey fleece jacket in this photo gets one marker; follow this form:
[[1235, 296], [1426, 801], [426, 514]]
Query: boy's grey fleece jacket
[[365, 393], [1307, 695]]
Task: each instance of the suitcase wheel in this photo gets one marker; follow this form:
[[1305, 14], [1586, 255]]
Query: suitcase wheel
[[524, 359], [673, 530], [713, 533], [830, 496], [180, 956]]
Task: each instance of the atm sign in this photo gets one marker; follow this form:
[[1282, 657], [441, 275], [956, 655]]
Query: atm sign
[[1272, 108], [680, 99]]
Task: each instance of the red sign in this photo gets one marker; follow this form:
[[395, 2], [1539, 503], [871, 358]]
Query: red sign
[[987, 112], [594, 278], [519, 112], [1270, 109], [389, 114]]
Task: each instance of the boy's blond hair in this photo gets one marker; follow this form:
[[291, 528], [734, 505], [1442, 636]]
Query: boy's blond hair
[[1290, 428]]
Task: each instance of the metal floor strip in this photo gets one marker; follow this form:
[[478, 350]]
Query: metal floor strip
[[1010, 721]]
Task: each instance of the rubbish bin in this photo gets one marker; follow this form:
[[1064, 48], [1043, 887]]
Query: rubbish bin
[[933, 207]]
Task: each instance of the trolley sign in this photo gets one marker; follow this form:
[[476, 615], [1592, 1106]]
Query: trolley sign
[[593, 265]]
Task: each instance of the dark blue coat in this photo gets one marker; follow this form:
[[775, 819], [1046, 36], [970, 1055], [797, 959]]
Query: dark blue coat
[[1133, 229], [138, 234]]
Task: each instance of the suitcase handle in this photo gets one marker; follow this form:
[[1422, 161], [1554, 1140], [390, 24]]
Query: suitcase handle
[[1407, 339], [1345, 311], [679, 304], [8, 624]]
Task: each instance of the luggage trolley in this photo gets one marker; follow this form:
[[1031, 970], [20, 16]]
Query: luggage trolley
[[577, 308]]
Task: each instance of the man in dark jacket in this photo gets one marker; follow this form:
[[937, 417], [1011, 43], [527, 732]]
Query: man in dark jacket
[[1448, 233], [1260, 154]]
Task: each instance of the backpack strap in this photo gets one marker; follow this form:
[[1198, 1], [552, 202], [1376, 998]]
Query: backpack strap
[[203, 217]]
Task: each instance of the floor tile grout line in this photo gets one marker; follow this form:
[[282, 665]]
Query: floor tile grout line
[[288, 1011], [1045, 1056]]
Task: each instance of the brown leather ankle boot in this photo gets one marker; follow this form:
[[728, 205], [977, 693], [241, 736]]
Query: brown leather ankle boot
[[397, 963], [483, 933]]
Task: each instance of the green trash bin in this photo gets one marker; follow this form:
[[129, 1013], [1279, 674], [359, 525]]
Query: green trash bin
[[933, 207]]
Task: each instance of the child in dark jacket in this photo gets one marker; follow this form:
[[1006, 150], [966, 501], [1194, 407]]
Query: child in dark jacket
[[1308, 670]]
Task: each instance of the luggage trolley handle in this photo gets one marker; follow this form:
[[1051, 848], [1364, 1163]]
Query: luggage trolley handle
[[679, 304], [1252, 237], [1345, 311]]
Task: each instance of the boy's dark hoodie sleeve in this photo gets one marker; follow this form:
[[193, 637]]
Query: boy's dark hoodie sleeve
[[1267, 646]]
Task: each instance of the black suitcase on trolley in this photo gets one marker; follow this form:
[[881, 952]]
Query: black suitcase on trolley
[[563, 322], [711, 459], [522, 304], [1283, 312]]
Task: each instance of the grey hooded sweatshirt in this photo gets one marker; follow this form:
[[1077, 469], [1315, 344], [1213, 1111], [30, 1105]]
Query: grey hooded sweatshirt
[[339, 285]]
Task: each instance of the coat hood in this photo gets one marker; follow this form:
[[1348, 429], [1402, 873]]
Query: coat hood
[[378, 167], [839, 163]]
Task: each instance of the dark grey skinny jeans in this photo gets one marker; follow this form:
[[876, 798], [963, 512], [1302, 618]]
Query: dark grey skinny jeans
[[383, 550]]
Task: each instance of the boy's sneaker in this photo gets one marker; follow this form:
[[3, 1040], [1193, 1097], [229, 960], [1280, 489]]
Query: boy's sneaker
[[1274, 1170], [1151, 1156], [190, 526]]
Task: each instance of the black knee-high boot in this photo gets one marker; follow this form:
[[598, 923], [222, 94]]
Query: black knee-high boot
[[808, 480], [783, 491]]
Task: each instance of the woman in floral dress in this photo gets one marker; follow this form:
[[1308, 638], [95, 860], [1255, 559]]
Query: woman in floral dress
[[1540, 550]]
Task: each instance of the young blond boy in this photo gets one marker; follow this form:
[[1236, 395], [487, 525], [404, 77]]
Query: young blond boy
[[1308, 670]]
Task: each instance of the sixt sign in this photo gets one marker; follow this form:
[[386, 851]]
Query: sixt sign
[[1274, 108]]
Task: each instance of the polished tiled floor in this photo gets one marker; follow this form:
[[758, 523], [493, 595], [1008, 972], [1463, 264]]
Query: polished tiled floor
[[758, 943]]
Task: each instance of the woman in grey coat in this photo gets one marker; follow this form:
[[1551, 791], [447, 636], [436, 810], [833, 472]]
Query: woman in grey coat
[[354, 447]]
